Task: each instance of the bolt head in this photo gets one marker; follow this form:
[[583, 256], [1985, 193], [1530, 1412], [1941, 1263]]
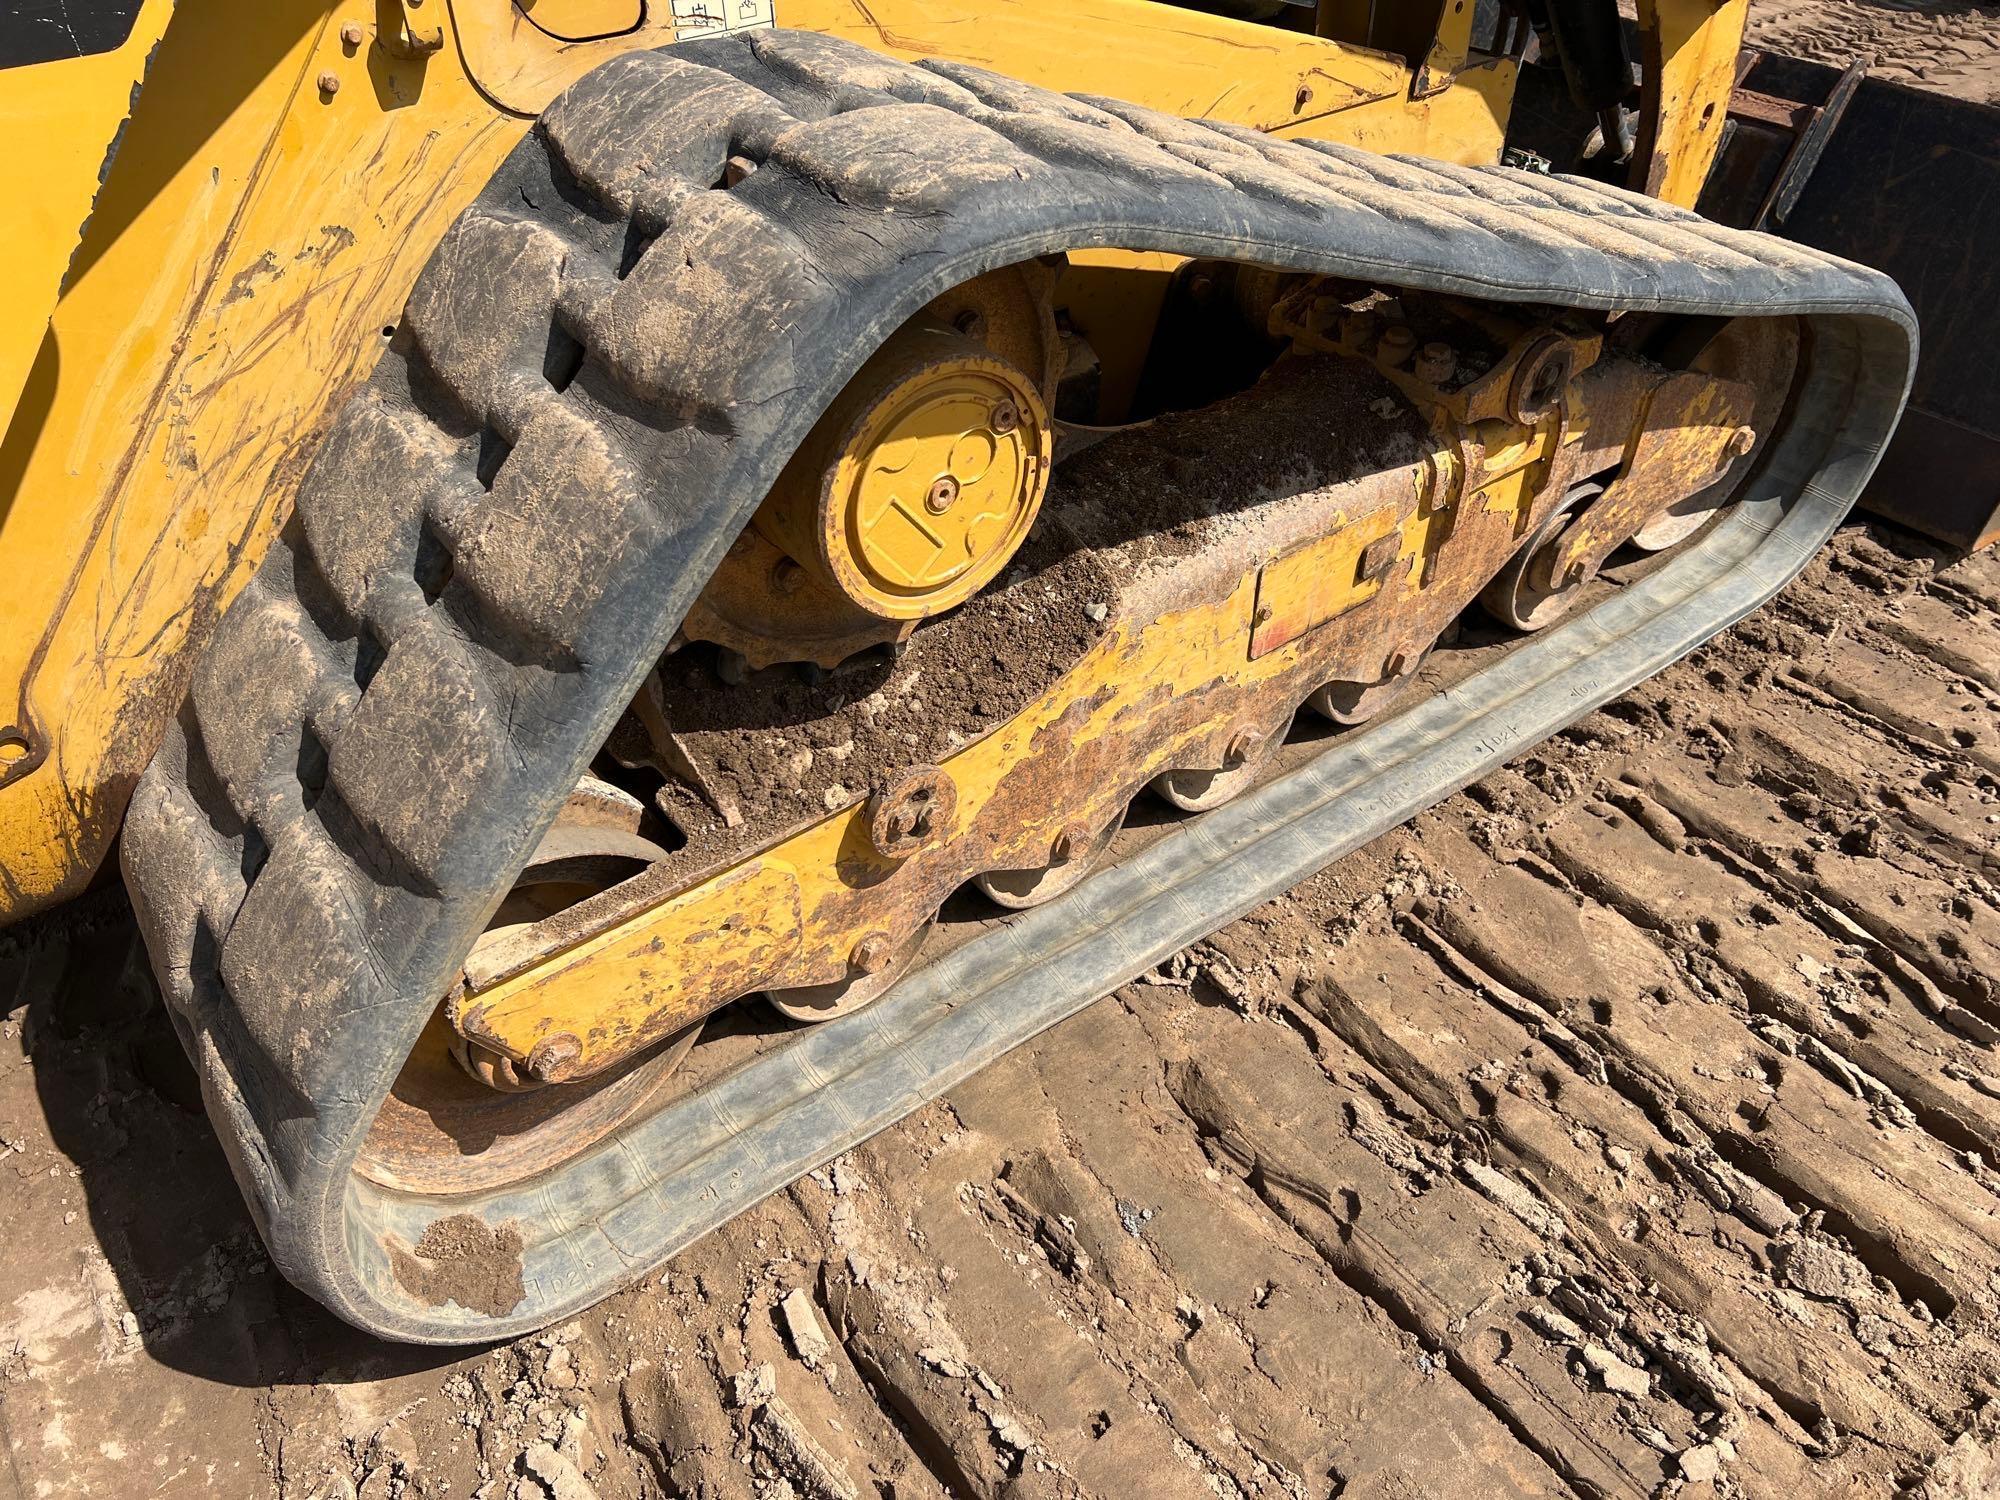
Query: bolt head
[[943, 495], [1242, 745], [351, 34], [971, 323], [871, 955], [1006, 417], [1741, 441], [904, 814], [1436, 362], [329, 83], [553, 1056], [1357, 328], [1067, 845], [787, 577]]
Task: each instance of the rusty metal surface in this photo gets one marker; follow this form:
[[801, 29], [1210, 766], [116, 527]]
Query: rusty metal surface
[[463, 1118], [1692, 426], [1334, 586]]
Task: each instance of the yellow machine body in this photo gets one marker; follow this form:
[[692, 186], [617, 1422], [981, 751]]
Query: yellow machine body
[[184, 311]]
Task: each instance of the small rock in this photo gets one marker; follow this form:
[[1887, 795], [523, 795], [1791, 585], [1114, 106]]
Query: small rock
[[753, 1387], [1511, 1195], [1554, 1324], [1009, 1432], [809, 1340], [1614, 1374], [1822, 1270], [944, 1363], [1701, 1465], [1133, 1217], [560, 1372], [558, 1477]]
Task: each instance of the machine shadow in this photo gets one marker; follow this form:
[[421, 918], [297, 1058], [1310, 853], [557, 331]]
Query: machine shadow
[[121, 1104]]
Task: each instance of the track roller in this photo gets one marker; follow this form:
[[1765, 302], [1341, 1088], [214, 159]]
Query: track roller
[[1349, 703], [1073, 857], [462, 1119], [1243, 763], [874, 966], [1523, 595]]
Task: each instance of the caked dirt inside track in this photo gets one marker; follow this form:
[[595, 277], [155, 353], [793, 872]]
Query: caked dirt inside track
[[1622, 1126]]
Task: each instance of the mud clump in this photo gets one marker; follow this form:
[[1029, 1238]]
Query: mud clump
[[781, 748], [463, 1259]]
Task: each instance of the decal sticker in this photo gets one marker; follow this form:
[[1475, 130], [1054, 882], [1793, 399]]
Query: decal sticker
[[693, 18]]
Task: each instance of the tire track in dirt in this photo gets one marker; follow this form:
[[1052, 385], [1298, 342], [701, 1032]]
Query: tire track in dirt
[[1951, 46], [1621, 1127]]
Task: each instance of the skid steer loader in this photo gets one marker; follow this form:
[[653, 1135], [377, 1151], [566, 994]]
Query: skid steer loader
[[564, 533]]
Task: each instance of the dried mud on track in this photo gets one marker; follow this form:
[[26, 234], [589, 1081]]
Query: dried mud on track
[[1621, 1127]]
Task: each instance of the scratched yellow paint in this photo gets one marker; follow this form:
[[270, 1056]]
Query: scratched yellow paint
[[1691, 48], [597, 993], [626, 986], [59, 117], [254, 237]]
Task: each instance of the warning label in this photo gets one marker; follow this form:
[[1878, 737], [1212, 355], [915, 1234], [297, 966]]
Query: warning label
[[693, 18]]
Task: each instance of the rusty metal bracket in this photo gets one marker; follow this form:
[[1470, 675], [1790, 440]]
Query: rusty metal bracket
[[1693, 428], [1810, 126]]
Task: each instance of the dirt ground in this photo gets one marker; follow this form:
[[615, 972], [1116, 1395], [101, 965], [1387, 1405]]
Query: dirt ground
[[1952, 46], [1625, 1126], [1622, 1127]]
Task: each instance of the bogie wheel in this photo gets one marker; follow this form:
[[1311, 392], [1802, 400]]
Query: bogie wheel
[[1243, 764], [1017, 890], [864, 984], [461, 1119], [1524, 595], [1676, 523], [1350, 703]]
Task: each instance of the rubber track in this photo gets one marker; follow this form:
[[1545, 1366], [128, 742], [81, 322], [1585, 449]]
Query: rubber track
[[599, 375]]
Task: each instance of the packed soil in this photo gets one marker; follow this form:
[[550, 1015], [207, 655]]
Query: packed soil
[[1952, 46], [1624, 1126]]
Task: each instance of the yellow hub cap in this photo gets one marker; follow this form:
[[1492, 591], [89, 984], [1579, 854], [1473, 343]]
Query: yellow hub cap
[[920, 481]]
